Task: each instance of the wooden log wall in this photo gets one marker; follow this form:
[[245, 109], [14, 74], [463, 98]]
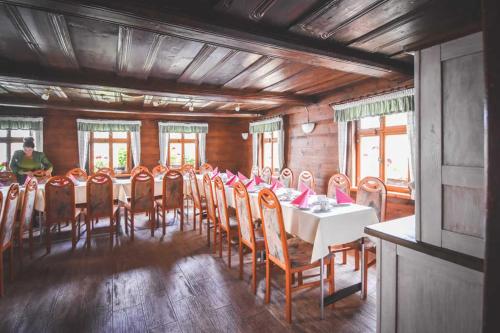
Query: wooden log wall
[[225, 146]]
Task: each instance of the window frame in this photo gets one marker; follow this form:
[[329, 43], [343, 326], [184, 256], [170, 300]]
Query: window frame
[[110, 140], [9, 140], [263, 141], [182, 141], [382, 131]]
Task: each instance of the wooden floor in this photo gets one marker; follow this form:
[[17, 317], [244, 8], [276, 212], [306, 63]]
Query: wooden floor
[[163, 285]]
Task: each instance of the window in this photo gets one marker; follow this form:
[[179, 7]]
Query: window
[[183, 149], [110, 150], [10, 141], [383, 150], [268, 150]]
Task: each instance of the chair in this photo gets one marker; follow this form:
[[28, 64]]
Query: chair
[[198, 203], [255, 171], [172, 198], [306, 178], [137, 169], [339, 181], [26, 217], [292, 256], [41, 176], [246, 229], [267, 175], [60, 206], [7, 233], [107, 171], [286, 177], [186, 168], [77, 173], [227, 224], [159, 170], [211, 213], [100, 204], [206, 168], [7, 178], [141, 201]]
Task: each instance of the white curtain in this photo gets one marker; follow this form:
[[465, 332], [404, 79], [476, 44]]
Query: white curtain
[[164, 138], [83, 147], [202, 145], [255, 149], [281, 148], [342, 145], [268, 125], [411, 128], [135, 143]]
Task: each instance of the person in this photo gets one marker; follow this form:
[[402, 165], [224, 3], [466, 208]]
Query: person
[[27, 161]]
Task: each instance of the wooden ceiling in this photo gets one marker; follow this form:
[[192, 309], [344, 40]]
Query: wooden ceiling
[[168, 57]]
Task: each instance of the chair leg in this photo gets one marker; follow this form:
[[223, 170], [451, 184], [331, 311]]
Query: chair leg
[[300, 279], [194, 217], [132, 226], [1, 274], [48, 238], [11, 263], [356, 259], [89, 232], [152, 222], [229, 249], [288, 296], [126, 220], [208, 231], [268, 281], [31, 240], [240, 252], [365, 274], [111, 228], [182, 218], [344, 257], [215, 235], [331, 277], [164, 222], [73, 234], [254, 271], [220, 242]]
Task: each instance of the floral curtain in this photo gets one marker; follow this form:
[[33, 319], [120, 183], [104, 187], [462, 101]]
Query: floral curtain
[[176, 127], [25, 123]]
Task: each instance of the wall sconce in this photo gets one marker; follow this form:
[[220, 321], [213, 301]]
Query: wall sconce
[[308, 127], [244, 136]]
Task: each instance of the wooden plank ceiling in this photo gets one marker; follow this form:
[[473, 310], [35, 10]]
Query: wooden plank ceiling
[[207, 57]]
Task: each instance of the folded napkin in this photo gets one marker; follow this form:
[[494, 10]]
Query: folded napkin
[[277, 184], [249, 185], [242, 176], [258, 180], [303, 187], [232, 180], [28, 179], [229, 174], [216, 170], [342, 197], [302, 201], [214, 174]]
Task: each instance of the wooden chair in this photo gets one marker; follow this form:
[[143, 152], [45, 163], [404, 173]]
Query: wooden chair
[[286, 177], [7, 178], [60, 207], [186, 168], [246, 227], [172, 198], [159, 170], [206, 168], [255, 171], [228, 224], [41, 176], [137, 169], [100, 205], [339, 181], [78, 174], [198, 203], [26, 217], [211, 212], [7, 233], [107, 171], [267, 175], [292, 256], [141, 201], [306, 178]]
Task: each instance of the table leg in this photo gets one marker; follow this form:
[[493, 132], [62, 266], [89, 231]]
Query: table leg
[[322, 287], [363, 296]]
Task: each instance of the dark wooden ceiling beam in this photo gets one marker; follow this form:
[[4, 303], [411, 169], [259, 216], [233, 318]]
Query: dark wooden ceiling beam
[[227, 32], [25, 74], [61, 34]]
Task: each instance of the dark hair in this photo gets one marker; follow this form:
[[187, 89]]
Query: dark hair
[[28, 142]]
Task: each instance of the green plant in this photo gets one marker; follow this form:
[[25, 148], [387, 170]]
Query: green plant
[[122, 158]]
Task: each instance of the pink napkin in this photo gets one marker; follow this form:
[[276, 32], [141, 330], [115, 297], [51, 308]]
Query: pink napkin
[[303, 187], [216, 170], [258, 180], [214, 174], [232, 180], [250, 184], [302, 200], [241, 176], [277, 184], [342, 197], [274, 187], [229, 174]]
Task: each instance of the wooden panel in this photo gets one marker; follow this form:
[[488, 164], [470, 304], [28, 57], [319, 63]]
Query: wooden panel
[[278, 74], [12, 45], [463, 210], [463, 176], [259, 69], [230, 66], [386, 282]]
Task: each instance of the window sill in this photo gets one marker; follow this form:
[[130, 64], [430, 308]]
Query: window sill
[[392, 194]]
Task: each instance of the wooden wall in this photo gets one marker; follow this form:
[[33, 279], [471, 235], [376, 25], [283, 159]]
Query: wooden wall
[[225, 147]]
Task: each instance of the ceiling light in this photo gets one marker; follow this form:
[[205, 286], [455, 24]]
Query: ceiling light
[[156, 103], [237, 108], [191, 107], [46, 95]]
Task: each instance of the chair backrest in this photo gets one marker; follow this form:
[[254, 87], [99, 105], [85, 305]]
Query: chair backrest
[[206, 168], [159, 170], [306, 178], [59, 199], [28, 204], [41, 176], [209, 195], [142, 199], [186, 168], [373, 193], [220, 194], [267, 174], [99, 195], [255, 171], [9, 215], [78, 174], [286, 177], [195, 190], [274, 228], [173, 189], [137, 169], [7, 178], [244, 213], [339, 181], [106, 171]]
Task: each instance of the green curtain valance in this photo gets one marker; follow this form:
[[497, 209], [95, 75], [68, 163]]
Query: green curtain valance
[[397, 102], [21, 123], [176, 127], [268, 125], [103, 125]]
